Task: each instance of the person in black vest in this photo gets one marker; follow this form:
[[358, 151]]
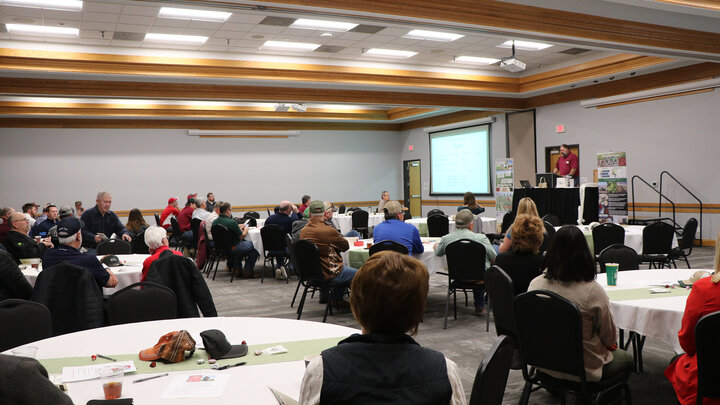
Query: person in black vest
[[384, 365]]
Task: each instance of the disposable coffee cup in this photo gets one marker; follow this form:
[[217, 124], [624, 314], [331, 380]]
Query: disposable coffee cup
[[309, 358], [35, 263], [25, 351], [112, 380], [611, 270], [368, 245]]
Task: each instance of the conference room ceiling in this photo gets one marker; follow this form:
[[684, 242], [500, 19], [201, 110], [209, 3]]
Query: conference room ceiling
[[112, 71]]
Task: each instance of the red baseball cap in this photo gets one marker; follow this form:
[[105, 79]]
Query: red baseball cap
[[172, 200], [191, 196]]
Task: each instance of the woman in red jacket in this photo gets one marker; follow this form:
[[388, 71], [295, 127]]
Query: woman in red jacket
[[704, 299]]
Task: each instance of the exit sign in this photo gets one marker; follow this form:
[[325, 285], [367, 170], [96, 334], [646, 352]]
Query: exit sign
[[411, 147], [559, 129]]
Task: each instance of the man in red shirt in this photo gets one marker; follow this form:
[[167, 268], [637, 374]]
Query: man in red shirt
[[186, 213], [157, 242], [568, 164], [305, 203], [171, 209]]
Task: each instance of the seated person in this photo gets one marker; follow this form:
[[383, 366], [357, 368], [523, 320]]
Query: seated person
[[171, 209], [387, 298], [241, 247], [525, 206], [464, 223], [287, 214], [305, 202], [157, 242], [470, 204], [19, 244], [393, 228], [12, 281], [99, 223], [185, 218], [5, 213], [523, 262], [136, 223], [704, 298], [200, 212], [70, 237], [570, 272], [24, 381], [41, 228]]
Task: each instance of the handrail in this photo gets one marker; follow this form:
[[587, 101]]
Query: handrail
[[653, 189], [689, 192]]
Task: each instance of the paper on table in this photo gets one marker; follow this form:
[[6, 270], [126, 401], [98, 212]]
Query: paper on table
[[196, 386], [82, 373], [283, 399]]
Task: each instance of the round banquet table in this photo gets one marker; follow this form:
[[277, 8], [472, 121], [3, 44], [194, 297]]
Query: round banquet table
[[344, 222], [633, 236], [356, 256], [482, 225], [657, 315], [129, 273], [247, 384]]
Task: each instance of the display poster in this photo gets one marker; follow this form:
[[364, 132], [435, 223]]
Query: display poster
[[504, 181], [612, 187]]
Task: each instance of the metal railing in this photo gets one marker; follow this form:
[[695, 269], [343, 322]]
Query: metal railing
[[664, 172], [661, 196]]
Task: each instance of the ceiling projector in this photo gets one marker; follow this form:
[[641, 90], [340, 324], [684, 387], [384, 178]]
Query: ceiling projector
[[511, 64]]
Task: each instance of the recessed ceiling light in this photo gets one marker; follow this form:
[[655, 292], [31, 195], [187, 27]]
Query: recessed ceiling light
[[475, 60], [71, 5], [432, 35], [175, 39], [525, 45], [289, 46], [326, 35], [189, 14], [389, 53], [23, 29], [307, 24]]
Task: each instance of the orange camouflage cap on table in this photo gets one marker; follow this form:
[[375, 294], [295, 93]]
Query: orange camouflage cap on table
[[170, 347]]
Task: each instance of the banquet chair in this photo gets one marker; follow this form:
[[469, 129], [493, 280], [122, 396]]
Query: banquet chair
[[552, 219], [435, 211], [550, 337], [352, 209], [507, 222], [605, 235], [492, 374], [657, 244], [625, 256], [268, 211], [407, 215], [250, 221], [438, 225], [466, 271], [23, 322], [138, 245], [707, 333], [342, 208], [195, 228], [252, 214], [306, 260], [222, 249], [275, 247], [500, 291], [686, 242], [114, 247], [548, 236], [149, 302], [388, 245], [360, 222], [157, 219], [176, 240], [181, 275]]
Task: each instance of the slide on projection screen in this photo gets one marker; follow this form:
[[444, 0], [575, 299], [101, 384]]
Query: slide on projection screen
[[460, 161]]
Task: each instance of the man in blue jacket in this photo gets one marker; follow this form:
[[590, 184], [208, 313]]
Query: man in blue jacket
[[393, 228]]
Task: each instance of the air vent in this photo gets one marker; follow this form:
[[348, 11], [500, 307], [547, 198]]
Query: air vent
[[128, 36], [574, 51], [330, 48], [277, 21], [367, 29]]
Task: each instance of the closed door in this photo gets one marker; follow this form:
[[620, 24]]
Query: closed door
[[413, 190]]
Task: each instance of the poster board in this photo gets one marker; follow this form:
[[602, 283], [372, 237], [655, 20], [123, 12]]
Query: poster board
[[612, 187], [504, 183]]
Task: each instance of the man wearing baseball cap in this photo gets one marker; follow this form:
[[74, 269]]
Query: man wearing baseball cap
[[330, 244], [69, 232], [171, 209], [393, 228]]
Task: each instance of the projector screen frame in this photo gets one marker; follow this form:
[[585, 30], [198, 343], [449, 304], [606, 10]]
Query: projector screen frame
[[489, 154]]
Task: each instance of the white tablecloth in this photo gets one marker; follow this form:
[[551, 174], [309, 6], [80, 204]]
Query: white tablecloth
[[247, 385], [482, 224], [434, 263], [344, 222], [656, 316], [129, 273], [633, 236]]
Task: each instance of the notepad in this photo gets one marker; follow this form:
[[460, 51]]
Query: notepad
[[83, 373]]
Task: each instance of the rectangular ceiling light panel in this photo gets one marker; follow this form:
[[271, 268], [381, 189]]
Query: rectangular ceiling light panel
[[197, 15], [432, 35], [476, 60], [176, 39], [390, 53], [289, 46], [525, 45], [69, 5], [35, 30], [324, 25]]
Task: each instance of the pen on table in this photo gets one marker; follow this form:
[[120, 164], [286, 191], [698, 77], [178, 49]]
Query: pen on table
[[105, 357], [231, 365], [150, 378]]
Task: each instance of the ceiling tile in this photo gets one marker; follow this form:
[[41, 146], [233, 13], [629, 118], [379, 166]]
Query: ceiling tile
[[354, 36], [229, 34], [236, 27], [133, 44], [215, 48], [220, 41], [268, 29], [141, 10], [22, 11], [61, 23], [101, 17], [99, 26], [395, 32], [205, 25], [204, 33], [132, 28], [62, 15], [87, 41], [245, 18], [171, 22], [244, 43], [94, 34], [95, 7], [341, 42], [166, 30], [136, 20]]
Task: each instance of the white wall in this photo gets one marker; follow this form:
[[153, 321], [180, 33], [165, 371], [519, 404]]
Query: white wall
[[420, 141], [678, 134], [142, 168]]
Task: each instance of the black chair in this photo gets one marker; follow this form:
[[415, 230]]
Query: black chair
[[177, 240], [157, 219], [507, 222], [605, 235], [388, 245], [435, 211], [138, 244], [23, 322], [501, 291], [341, 209], [552, 218], [548, 236], [625, 256], [250, 221], [707, 332], [149, 302], [222, 249], [686, 242], [360, 222], [352, 209], [550, 337], [273, 240], [657, 244], [195, 228], [268, 211], [492, 374], [407, 215], [252, 214], [114, 247], [306, 260], [276, 209], [466, 266], [438, 225]]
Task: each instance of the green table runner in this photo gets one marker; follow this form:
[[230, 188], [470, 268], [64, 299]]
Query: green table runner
[[357, 257], [422, 227], [644, 293], [295, 351]]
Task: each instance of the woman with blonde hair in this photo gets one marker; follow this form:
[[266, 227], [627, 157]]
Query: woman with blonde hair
[[704, 298], [525, 206], [523, 263], [469, 203]]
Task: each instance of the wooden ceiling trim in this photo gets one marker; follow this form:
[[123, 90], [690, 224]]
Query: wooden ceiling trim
[[158, 90], [187, 107], [704, 4], [450, 118], [510, 16], [398, 113]]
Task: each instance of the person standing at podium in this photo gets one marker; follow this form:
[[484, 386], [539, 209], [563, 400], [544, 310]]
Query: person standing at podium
[[567, 164]]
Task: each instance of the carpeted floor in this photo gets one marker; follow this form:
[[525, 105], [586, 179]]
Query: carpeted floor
[[464, 341]]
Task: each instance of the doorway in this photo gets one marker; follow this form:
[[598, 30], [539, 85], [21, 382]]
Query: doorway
[[552, 154], [412, 187]]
